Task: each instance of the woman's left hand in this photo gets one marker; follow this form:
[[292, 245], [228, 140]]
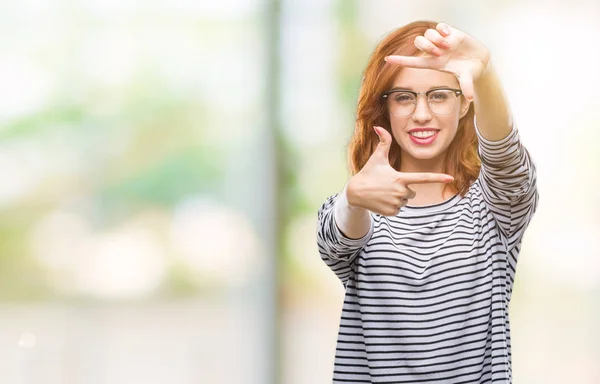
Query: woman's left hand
[[450, 50]]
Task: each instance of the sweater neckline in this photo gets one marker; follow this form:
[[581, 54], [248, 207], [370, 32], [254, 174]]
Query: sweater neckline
[[432, 208]]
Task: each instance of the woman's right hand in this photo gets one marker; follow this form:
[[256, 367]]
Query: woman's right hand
[[379, 188]]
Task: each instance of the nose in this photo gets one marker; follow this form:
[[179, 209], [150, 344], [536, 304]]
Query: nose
[[422, 112]]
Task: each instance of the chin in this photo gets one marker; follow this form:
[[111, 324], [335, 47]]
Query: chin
[[424, 153], [426, 156]]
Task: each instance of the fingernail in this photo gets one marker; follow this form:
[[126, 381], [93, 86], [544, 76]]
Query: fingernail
[[446, 29], [375, 129], [449, 178]]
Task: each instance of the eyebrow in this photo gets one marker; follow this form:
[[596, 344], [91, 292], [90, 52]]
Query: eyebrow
[[412, 90]]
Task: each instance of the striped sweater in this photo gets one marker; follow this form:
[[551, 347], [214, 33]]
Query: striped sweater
[[427, 291]]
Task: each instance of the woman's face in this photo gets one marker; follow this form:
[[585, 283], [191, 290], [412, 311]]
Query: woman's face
[[424, 135]]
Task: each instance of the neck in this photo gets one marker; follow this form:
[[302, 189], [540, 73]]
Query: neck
[[410, 164], [427, 193]]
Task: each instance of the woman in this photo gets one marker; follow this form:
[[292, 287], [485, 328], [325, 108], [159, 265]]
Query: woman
[[425, 235]]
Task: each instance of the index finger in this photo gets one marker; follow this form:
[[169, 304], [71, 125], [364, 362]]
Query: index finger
[[422, 178]]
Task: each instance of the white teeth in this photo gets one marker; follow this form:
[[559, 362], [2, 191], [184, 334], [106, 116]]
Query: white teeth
[[423, 134]]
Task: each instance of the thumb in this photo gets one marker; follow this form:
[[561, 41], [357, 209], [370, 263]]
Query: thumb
[[466, 85], [385, 142]]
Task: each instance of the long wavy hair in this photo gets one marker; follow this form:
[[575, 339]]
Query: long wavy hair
[[462, 159]]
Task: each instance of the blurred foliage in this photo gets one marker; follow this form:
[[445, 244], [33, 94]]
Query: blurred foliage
[[146, 153], [21, 279], [353, 55]]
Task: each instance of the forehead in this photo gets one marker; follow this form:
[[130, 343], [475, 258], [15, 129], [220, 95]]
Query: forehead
[[420, 79]]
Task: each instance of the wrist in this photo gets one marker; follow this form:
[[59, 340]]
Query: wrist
[[349, 197], [487, 80], [487, 69]]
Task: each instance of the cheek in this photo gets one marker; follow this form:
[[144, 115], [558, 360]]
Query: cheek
[[455, 120], [450, 121], [398, 124]]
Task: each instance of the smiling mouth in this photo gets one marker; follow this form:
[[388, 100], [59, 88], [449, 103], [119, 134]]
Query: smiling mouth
[[423, 134]]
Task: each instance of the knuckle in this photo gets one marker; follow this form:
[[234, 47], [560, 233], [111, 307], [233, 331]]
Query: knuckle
[[420, 41], [400, 190], [400, 181]]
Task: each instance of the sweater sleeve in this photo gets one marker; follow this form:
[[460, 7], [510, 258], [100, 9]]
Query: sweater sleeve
[[337, 250], [509, 184]]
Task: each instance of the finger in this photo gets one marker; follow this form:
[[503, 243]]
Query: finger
[[403, 203], [427, 46], [466, 85], [410, 61], [437, 39], [423, 178], [385, 142], [404, 192], [444, 29]]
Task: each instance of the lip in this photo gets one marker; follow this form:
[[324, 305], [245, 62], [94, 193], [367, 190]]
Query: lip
[[426, 141]]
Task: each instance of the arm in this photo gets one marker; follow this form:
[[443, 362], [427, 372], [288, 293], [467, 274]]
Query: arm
[[336, 249], [508, 182], [508, 175], [491, 107]]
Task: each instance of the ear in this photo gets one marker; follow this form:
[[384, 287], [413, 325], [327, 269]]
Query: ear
[[464, 106]]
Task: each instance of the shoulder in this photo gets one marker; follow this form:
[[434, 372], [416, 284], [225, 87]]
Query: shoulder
[[328, 203]]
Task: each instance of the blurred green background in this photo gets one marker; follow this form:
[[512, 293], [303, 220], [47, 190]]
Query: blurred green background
[[162, 164]]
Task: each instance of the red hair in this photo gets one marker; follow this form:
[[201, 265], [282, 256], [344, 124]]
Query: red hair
[[462, 159]]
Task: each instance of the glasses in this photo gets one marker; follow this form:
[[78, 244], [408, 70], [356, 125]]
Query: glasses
[[441, 101]]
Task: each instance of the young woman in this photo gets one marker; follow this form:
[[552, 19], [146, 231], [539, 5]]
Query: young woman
[[425, 235]]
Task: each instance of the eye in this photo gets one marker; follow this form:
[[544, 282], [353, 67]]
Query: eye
[[403, 97], [441, 95]]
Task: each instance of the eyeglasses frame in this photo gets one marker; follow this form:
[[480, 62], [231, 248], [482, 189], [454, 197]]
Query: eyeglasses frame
[[457, 92]]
